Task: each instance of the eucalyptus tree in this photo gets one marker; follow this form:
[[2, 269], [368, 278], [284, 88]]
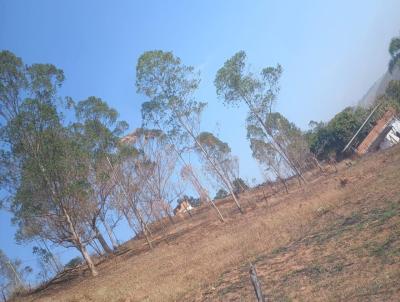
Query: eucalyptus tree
[[170, 86], [99, 131], [49, 261], [49, 184], [289, 137], [239, 185], [235, 84], [219, 152], [268, 158], [156, 164], [221, 193], [188, 175], [49, 265], [129, 193], [12, 275]]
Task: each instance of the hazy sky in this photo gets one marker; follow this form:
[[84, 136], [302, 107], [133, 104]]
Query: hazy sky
[[331, 52]]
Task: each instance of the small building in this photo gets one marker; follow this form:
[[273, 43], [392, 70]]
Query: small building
[[183, 207], [383, 135]]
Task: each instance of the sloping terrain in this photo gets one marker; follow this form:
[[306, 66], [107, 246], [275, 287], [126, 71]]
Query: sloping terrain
[[378, 88], [336, 238]]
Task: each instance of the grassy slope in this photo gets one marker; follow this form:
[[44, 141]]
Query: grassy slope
[[322, 242]]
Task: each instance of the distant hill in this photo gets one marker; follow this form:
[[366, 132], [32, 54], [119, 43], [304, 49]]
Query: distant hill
[[378, 88]]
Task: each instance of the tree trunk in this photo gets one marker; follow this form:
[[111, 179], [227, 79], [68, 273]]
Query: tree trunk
[[144, 228], [76, 238], [88, 260], [284, 184], [17, 277], [4, 295], [95, 247], [235, 198], [316, 162], [169, 216], [195, 185], [217, 210], [79, 244], [110, 234], [281, 179], [103, 242], [213, 164], [130, 223], [278, 148]]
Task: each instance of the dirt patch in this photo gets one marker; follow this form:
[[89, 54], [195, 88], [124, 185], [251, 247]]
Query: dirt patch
[[321, 242]]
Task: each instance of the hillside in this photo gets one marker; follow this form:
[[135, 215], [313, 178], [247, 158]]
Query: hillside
[[378, 88], [336, 238]]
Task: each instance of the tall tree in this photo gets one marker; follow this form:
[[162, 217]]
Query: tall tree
[[219, 152], [99, 131], [188, 175], [239, 185], [48, 263], [221, 193], [50, 177], [129, 194], [170, 85], [289, 137], [11, 275], [156, 163], [269, 159], [234, 84]]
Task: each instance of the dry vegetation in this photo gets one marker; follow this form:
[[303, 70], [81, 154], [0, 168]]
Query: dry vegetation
[[337, 238]]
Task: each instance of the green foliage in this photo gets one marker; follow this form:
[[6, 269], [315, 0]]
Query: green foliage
[[239, 185], [286, 134], [234, 84], [47, 262], [216, 149], [74, 262], [48, 153], [330, 139], [212, 142], [221, 194], [12, 80], [394, 51], [392, 94], [48, 160], [219, 153], [98, 126], [42, 253], [12, 275], [169, 84]]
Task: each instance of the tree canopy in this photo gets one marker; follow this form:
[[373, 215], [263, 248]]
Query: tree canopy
[[329, 139], [394, 51]]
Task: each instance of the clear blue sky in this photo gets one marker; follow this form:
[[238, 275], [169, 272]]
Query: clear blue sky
[[331, 52]]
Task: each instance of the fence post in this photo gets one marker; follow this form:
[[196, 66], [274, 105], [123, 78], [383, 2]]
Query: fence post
[[256, 284]]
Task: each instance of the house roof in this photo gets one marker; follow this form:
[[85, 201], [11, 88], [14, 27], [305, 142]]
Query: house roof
[[377, 132]]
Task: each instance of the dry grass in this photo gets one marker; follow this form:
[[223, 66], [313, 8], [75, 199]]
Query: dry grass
[[337, 238]]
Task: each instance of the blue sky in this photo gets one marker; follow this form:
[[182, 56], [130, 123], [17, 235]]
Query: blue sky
[[331, 52]]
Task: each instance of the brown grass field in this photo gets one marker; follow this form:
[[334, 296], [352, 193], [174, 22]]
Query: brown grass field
[[336, 238]]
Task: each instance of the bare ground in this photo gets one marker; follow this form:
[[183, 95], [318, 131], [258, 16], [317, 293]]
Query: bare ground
[[335, 239]]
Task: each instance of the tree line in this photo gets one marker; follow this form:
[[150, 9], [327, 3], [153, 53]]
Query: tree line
[[69, 173]]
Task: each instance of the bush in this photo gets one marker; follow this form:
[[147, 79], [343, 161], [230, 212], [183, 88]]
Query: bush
[[74, 262]]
